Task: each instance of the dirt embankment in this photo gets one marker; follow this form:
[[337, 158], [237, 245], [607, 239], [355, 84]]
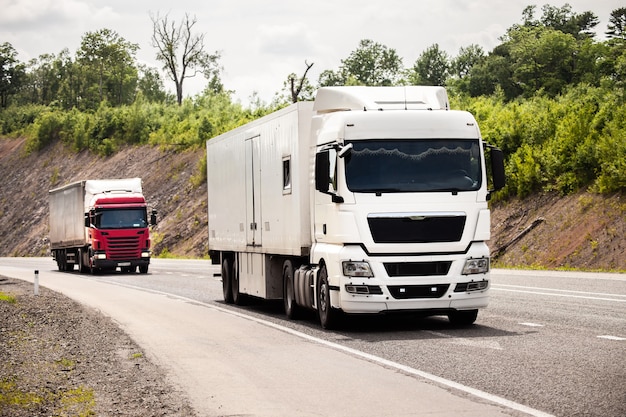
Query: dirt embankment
[[583, 230]]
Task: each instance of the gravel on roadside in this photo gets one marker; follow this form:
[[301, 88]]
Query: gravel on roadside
[[60, 358]]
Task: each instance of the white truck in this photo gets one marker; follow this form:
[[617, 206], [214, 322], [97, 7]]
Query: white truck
[[367, 200]]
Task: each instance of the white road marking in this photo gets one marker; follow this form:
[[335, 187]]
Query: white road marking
[[488, 344], [560, 293], [609, 337], [532, 324]]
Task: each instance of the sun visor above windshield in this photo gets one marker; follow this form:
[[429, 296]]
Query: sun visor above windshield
[[330, 99]]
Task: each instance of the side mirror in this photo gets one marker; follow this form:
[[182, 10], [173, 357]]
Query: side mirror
[[87, 223], [153, 217], [497, 168], [322, 167]]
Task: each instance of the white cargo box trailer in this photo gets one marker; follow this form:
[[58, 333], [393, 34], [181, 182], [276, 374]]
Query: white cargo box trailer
[[67, 216], [259, 194]]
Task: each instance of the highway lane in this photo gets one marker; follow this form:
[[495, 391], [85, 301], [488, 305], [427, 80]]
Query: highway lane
[[551, 341]]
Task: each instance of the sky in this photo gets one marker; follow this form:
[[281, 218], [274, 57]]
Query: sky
[[261, 42]]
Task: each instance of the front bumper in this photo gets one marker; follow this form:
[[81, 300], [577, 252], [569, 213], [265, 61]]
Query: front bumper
[[113, 264], [436, 291]]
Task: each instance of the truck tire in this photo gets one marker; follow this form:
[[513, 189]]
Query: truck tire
[[92, 269], [329, 317], [81, 263], [292, 310], [238, 297], [143, 269], [227, 281], [463, 318]]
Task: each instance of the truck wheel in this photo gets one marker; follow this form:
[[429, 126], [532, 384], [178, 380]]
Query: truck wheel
[[81, 262], [289, 296], [143, 269], [462, 318], [328, 315], [226, 281], [238, 297], [58, 256]]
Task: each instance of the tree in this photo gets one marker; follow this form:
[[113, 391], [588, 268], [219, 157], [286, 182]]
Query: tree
[[330, 78], [71, 80], [562, 19], [466, 59], [372, 64], [298, 86], [494, 73], [617, 24], [182, 51], [542, 58], [150, 84], [109, 65], [431, 67], [12, 73]]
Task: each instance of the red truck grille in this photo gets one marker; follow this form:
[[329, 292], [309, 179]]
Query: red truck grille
[[122, 248]]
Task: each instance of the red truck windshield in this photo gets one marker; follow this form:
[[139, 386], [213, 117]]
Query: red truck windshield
[[121, 218], [378, 166]]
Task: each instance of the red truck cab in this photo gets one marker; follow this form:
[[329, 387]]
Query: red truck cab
[[118, 232]]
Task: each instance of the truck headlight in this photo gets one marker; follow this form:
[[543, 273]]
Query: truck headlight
[[101, 255], [357, 269], [145, 254], [476, 266]]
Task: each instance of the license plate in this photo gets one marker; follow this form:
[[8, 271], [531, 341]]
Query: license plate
[[123, 264]]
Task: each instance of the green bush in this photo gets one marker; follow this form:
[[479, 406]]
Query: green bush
[[15, 119], [47, 128]]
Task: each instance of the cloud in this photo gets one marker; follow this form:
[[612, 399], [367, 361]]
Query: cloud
[[41, 14], [282, 40]]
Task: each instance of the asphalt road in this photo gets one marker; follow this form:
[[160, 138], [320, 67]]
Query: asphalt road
[[549, 343]]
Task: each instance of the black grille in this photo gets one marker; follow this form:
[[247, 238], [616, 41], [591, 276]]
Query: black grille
[[420, 269], [418, 291], [123, 248], [417, 229]]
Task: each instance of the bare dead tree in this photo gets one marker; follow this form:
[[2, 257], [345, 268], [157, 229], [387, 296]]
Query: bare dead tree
[[181, 50], [295, 91]]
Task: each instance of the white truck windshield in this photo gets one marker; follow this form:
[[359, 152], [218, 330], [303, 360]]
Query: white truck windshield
[[380, 166]]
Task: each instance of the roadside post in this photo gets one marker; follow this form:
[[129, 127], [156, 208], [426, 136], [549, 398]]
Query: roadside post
[[36, 282]]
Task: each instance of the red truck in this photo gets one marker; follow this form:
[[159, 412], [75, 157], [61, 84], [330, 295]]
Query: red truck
[[100, 225]]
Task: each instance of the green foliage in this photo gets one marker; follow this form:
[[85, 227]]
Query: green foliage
[[575, 140], [431, 68], [46, 129], [7, 298], [15, 119], [200, 176], [611, 148], [79, 401], [371, 64]]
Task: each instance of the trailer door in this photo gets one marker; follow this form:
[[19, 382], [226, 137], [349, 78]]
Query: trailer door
[[253, 191]]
